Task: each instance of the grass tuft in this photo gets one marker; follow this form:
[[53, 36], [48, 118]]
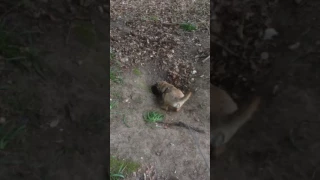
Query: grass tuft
[[119, 169], [154, 18], [85, 33], [188, 27], [115, 76], [14, 51], [95, 122], [137, 72], [112, 56], [113, 104], [114, 72], [153, 117], [8, 134]]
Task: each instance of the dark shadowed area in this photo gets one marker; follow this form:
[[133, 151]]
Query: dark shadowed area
[[270, 48], [53, 89]]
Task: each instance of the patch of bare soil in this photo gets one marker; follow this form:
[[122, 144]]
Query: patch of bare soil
[[57, 97], [146, 38], [282, 140]]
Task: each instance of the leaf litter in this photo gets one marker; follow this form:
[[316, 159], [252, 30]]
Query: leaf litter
[[241, 32], [153, 35]]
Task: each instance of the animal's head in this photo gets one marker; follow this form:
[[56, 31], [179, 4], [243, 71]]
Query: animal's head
[[159, 87], [162, 84], [155, 90]]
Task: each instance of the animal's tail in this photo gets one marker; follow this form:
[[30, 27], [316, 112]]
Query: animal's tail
[[242, 116], [184, 99]]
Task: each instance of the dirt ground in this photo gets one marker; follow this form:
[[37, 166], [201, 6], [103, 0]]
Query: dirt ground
[[54, 85], [149, 50], [171, 151], [282, 142]]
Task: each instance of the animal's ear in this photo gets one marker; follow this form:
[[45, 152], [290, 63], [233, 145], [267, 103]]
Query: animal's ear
[[167, 90]]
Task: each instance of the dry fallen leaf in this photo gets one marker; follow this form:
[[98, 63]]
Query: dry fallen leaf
[[294, 46], [269, 33], [275, 89], [54, 123], [264, 55]]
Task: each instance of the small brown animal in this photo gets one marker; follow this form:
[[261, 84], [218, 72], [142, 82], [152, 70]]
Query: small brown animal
[[226, 118], [172, 98]]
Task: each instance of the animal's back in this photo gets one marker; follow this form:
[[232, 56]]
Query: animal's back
[[226, 118], [221, 103]]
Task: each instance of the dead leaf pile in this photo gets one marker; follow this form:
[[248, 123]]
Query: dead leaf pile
[[150, 33], [181, 73], [148, 173], [143, 42], [241, 32]]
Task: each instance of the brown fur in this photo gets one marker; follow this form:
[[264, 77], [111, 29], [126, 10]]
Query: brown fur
[[172, 97], [226, 118]]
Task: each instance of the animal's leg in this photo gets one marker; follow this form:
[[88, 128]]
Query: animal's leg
[[164, 107]]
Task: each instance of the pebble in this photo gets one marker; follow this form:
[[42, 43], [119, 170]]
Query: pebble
[[101, 9], [269, 33], [54, 123], [125, 59], [265, 56], [294, 46], [79, 63]]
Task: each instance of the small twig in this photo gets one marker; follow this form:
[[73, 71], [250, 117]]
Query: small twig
[[206, 59], [292, 139], [181, 124], [68, 35], [308, 53], [170, 24], [15, 58], [314, 172], [124, 121], [226, 48]]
